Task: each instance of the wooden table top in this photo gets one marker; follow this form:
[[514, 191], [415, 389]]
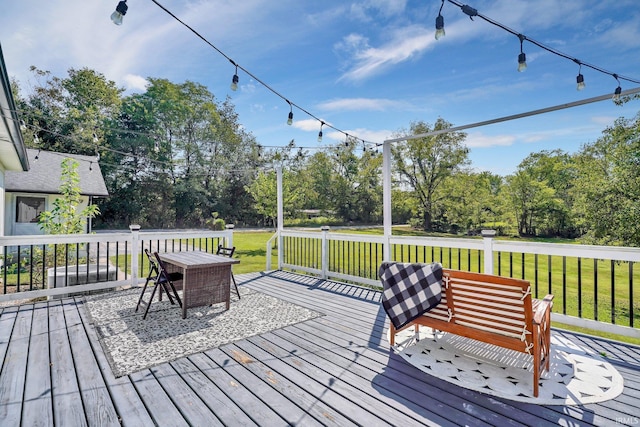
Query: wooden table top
[[197, 259]]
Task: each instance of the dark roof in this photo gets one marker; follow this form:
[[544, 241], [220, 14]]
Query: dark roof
[[45, 173]]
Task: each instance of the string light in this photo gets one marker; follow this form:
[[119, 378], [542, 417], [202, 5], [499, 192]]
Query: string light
[[95, 138], [35, 159], [579, 78], [618, 91], [118, 14], [471, 12], [290, 118], [440, 23], [522, 58], [320, 133], [23, 125], [235, 79], [90, 166], [254, 77]]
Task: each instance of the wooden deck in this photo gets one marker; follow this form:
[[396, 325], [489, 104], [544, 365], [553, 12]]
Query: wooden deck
[[334, 370]]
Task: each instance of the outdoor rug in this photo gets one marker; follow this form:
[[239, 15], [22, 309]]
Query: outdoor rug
[[575, 377], [132, 344]]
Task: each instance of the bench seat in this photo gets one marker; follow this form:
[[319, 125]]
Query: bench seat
[[493, 309]]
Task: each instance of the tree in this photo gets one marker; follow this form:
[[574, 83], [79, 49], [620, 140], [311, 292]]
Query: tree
[[424, 163], [469, 200], [607, 188], [557, 170], [68, 114], [65, 218], [265, 194]]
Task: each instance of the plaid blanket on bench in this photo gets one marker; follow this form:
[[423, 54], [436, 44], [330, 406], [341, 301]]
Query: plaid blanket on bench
[[410, 290]]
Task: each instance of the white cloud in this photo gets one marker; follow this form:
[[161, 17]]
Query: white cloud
[[404, 43], [134, 83], [478, 139], [360, 104], [603, 120], [307, 125]]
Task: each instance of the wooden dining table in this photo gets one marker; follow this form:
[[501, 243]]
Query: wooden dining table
[[206, 277]]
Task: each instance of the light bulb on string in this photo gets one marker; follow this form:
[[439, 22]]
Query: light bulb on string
[[118, 14], [290, 118], [320, 133], [95, 138], [580, 82], [579, 78], [618, 91], [235, 79], [440, 23], [522, 58], [90, 166], [23, 125], [35, 159]]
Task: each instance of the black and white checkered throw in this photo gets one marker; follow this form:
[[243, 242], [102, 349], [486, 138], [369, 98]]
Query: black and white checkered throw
[[410, 290]]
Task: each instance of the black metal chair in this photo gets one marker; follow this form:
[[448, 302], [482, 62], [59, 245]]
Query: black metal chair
[[162, 280], [228, 252]]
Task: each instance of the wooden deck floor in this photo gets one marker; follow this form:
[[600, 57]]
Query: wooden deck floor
[[334, 370]]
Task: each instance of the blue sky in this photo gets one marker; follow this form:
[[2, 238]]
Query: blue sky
[[368, 67]]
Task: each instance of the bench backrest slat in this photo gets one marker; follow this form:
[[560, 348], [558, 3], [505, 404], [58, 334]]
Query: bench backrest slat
[[500, 305]]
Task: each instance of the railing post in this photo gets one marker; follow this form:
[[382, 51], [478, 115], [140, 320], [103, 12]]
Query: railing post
[[135, 243], [487, 237], [280, 220], [228, 240], [325, 251]]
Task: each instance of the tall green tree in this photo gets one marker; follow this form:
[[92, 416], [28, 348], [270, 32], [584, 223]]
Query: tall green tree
[[68, 114], [607, 188], [556, 169], [424, 163]]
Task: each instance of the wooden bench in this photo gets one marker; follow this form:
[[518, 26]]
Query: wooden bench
[[495, 310]]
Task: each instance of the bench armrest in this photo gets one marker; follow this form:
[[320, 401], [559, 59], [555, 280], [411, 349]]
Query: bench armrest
[[544, 306]]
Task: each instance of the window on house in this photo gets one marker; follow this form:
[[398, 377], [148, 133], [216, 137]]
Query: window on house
[[28, 209]]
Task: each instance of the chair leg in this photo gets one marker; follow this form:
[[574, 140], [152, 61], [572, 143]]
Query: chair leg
[[235, 284], [166, 291], [144, 288], [155, 288], [175, 294]]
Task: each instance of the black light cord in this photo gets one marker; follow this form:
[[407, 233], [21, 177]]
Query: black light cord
[[275, 92], [473, 12]]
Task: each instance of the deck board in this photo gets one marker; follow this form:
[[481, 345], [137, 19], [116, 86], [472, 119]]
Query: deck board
[[285, 380], [67, 401], [14, 369], [37, 408], [336, 369], [128, 404], [98, 406]]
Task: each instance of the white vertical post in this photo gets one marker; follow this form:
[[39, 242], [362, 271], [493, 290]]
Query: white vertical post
[[228, 239], [386, 199], [325, 251], [280, 221], [135, 239], [487, 237]]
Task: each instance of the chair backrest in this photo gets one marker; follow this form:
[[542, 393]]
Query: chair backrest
[[225, 251], [162, 270], [153, 264]]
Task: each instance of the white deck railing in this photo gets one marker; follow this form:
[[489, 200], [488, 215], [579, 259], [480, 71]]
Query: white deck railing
[[595, 287], [89, 262]]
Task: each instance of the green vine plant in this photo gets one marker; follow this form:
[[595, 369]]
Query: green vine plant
[[64, 218]]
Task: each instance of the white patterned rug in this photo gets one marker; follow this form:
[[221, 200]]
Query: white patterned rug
[[574, 378], [132, 344]]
